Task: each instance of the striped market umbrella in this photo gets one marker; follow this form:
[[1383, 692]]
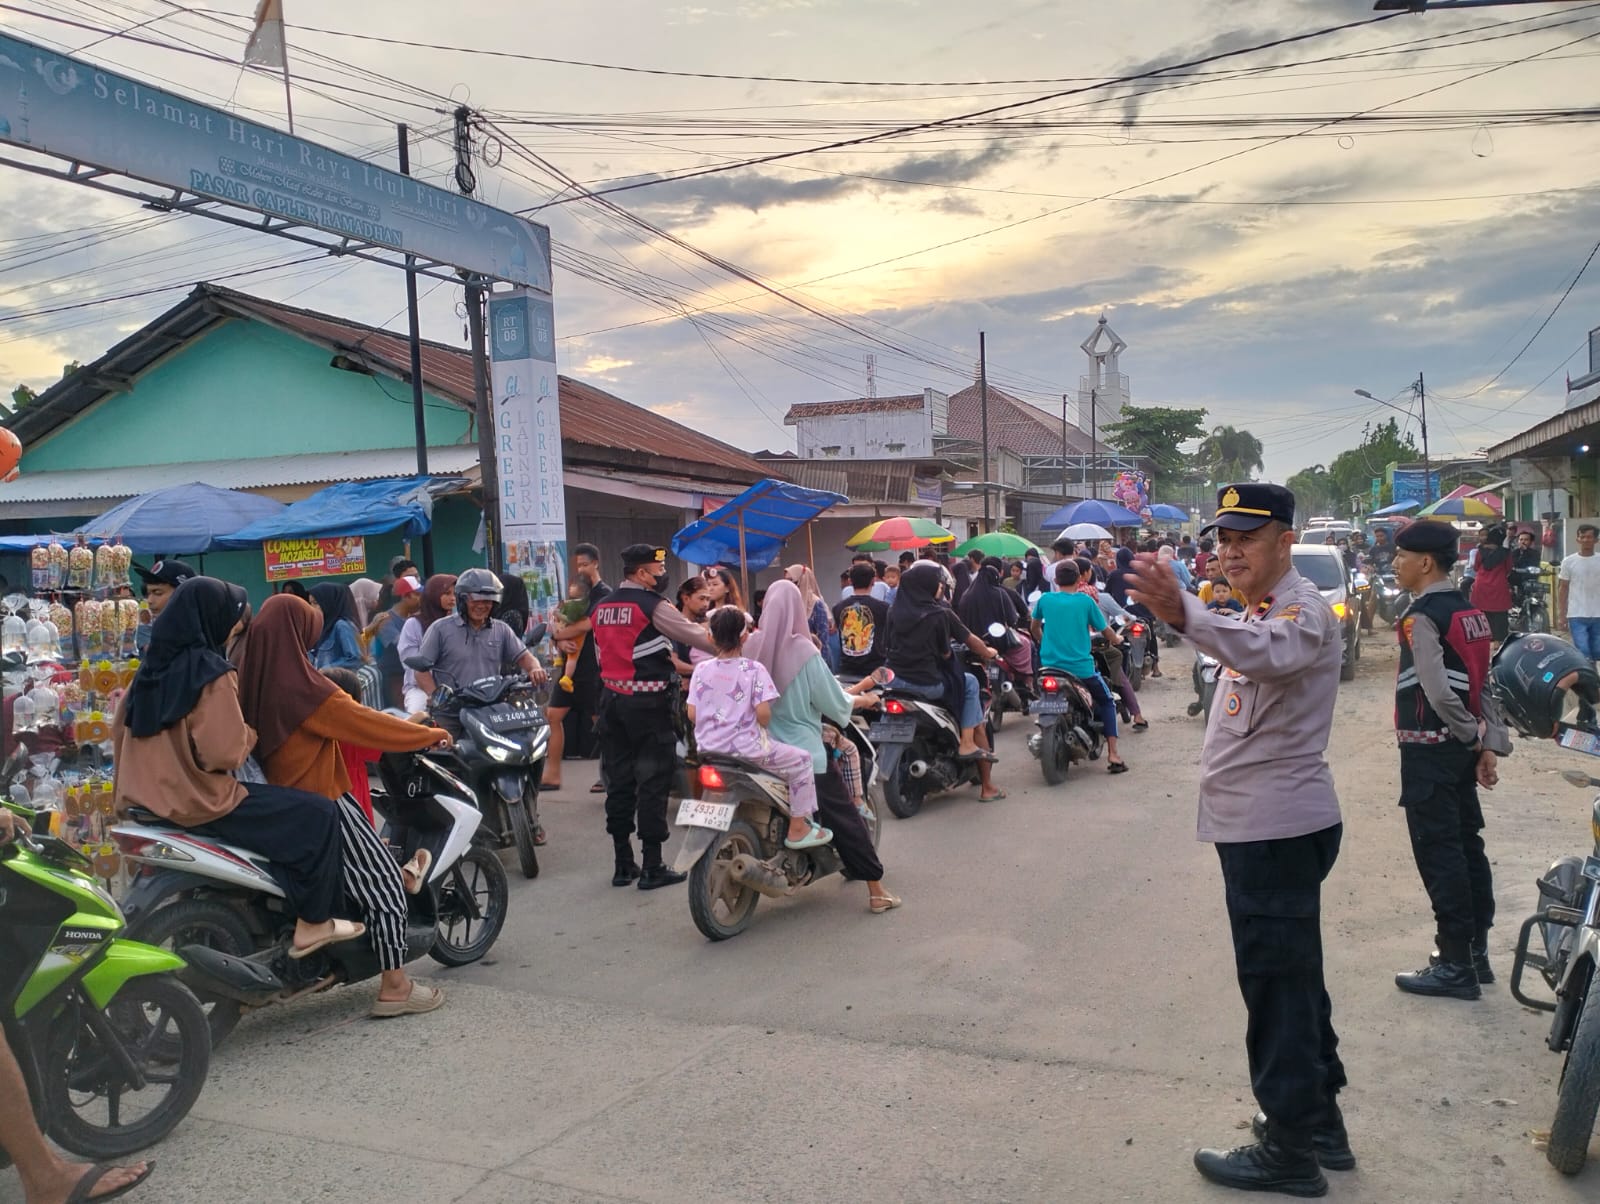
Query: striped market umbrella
[[898, 534], [998, 543], [1458, 507]]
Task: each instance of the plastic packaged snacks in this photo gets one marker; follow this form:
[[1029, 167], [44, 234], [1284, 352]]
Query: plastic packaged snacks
[[80, 567], [39, 561]]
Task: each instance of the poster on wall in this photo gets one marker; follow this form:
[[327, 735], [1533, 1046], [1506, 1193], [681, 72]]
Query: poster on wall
[[288, 559], [527, 416]]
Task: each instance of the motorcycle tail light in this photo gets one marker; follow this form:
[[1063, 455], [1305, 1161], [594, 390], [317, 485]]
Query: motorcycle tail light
[[894, 707], [711, 777], [1136, 630], [1049, 685], [149, 848]]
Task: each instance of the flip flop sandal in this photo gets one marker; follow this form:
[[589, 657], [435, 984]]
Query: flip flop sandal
[[878, 904], [992, 798], [816, 836], [419, 865], [598, 788], [1117, 767], [422, 999], [83, 1189], [343, 930], [548, 787], [539, 838], [1140, 725]]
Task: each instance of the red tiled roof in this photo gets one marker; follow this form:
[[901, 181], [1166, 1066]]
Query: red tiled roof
[[1014, 425], [589, 415], [856, 405]]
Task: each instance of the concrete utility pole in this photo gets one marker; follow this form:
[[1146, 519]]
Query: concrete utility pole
[[418, 405], [983, 400], [488, 463], [1422, 421]]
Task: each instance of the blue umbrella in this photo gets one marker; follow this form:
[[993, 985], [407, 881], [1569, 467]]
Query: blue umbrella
[[1170, 514], [180, 519], [1093, 510], [1397, 508]]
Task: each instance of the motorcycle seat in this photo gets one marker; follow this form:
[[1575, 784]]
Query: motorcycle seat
[[726, 762], [149, 819]]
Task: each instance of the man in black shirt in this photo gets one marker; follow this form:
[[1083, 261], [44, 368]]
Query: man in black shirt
[[585, 693], [863, 623]]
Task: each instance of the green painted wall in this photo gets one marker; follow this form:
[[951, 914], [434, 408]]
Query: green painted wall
[[280, 398]]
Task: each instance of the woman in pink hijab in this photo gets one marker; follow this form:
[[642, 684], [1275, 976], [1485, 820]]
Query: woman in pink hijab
[[808, 695]]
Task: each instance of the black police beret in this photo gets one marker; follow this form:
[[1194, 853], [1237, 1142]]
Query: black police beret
[[1428, 535], [636, 555]]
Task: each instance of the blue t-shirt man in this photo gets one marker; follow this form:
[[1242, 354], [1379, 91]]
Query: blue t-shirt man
[[1069, 620]]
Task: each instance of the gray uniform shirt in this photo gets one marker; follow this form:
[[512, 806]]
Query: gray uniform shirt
[[1263, 775], [466, 653]]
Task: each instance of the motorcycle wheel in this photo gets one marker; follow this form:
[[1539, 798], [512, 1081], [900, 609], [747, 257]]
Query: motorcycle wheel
[[522, 813], [162, 1028], [1053, 757], [472, 908], [205, 922], [1135, 676], [997, 715], [1579, 1099], [902, 792], [721, 908]]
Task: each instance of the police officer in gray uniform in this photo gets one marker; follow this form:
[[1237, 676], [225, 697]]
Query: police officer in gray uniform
[[1267, 802]]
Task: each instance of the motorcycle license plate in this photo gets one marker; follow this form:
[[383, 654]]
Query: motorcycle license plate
[[893, 731], [697, 813], [1051, 706]]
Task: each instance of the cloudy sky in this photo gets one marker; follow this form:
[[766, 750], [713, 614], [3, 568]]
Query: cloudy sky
[[1268, 232]]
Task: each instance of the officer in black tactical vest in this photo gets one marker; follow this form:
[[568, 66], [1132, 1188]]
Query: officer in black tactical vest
[[1449, 733]]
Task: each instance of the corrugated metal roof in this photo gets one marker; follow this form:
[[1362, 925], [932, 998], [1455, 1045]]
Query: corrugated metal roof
[[100, 484], [1014, 425], [856, 405], [1545, 439], [589, 416]]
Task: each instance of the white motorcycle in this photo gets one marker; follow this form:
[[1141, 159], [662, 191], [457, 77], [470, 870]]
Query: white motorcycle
[[222, 907]]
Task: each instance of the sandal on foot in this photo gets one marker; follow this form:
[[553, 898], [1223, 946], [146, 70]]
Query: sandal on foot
[[539, 838], [423, 998], [878, 904], [343, 930], [83, 1189], [1140, 725], [816, 836], [598, 788], [416, 870], [992, 798], [1117, 767]]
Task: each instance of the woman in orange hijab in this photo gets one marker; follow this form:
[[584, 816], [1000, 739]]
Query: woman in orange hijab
[[300, 717]]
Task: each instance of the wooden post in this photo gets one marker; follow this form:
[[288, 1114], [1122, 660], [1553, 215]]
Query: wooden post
[[811, 547], [744, 567]]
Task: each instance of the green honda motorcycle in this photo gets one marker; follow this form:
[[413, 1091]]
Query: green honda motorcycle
[[113, 1047]]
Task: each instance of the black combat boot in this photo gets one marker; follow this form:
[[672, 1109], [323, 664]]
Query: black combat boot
[[1450, 977], [1329, 1141], [656, 874], [627, 867], [1480, 961], [1269, 1165]]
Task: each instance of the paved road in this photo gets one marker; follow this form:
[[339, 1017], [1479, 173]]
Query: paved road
[[1051, 1017]]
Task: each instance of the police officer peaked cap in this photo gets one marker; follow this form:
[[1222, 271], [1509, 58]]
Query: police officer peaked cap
[[1428, 536], [637, 555], [1251, 504]]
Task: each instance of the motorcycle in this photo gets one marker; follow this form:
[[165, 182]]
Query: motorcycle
[[113, 1047], [1008, 692], [1392, 601], [916, 741], [1530, 605], [1098, 647], [734, 851], [1068, 731], [1568, 959], [221, 908], [1206, 669], [1138, 655], [501, 741], [1364, 596]]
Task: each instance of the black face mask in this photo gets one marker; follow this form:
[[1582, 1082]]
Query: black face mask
[[660, 584]]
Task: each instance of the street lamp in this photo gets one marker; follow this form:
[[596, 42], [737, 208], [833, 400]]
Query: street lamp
[[1421, 393]]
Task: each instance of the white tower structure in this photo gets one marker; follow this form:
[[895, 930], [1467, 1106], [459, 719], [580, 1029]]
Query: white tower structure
[[1103, 391]]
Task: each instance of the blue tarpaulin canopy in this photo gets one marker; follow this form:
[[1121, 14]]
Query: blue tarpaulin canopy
[[769, 512], [404, 504], [181, 519], [1397, 508], [26, 543]]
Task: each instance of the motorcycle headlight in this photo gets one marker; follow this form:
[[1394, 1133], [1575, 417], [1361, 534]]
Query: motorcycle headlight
[[1339, 610], [499, 750]]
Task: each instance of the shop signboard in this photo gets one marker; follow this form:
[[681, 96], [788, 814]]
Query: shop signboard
[[77, 111], [288, 559], [527, 422]]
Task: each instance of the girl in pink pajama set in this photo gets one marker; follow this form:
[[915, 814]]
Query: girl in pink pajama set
[[730, 704]]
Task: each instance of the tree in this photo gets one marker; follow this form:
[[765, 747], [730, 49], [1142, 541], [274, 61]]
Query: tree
[[1228, 454], [1157, 433], [1314, 491], [1320, 490], [21, 396]]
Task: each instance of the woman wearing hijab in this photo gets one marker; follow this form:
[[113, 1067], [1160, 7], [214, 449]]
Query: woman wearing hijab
[[340, 646], [1032, 575], [438, 600], [819, 619], [808, 694], [364, 592], [300, 718], [988, 602], [180, 735], [1491, 585], [922, 627]]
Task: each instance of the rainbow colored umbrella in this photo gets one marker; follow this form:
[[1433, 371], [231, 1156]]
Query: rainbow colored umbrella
[[898, 534], [1458, 507]]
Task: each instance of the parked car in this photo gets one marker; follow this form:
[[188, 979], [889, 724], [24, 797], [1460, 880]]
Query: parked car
[[1324, 567], [1317, 533]]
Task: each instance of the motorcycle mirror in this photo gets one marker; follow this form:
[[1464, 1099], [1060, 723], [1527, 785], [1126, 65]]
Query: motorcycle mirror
[[1576, 777], [419, 662], [536, 636], [883, 675], [997, 629]]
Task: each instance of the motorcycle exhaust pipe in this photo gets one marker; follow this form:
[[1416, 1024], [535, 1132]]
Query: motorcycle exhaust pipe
[[759, 876], [918, 769]]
